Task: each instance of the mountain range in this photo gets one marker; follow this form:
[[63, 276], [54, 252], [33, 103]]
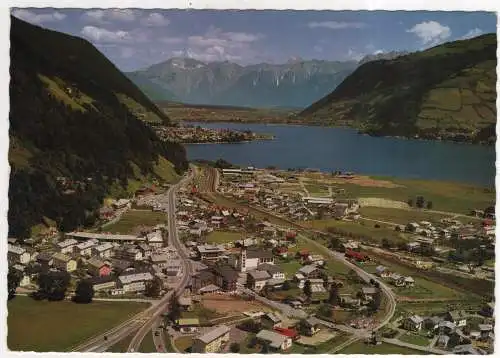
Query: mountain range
[[445, 92], [294, 84], [78, 132]]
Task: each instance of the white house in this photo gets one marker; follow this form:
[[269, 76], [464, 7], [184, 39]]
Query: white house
[[66, 246], [85, 248], [17, 254], [135, 282], [155, 239], [104, 250]]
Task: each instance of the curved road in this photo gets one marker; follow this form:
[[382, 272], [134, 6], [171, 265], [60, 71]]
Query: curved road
[[187, 269]]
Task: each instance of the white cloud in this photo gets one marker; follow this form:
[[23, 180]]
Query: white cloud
[[100, 35], [105, 16], [35, 18], [155, 19], [378, 52], [430, 32], [336, 25], [472, 33], [354, 55]]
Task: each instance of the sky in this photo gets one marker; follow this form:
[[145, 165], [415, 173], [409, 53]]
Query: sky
[[135, 38]]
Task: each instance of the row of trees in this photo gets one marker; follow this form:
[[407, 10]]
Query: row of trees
[[420, 203]]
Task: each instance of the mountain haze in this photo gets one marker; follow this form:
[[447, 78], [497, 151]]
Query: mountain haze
[[448, 92], [74, 115], [294, 84]]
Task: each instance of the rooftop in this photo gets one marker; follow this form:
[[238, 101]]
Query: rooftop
[[214, 334]]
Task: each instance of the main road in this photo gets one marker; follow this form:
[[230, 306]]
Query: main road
[[143, 322], [173, 237]]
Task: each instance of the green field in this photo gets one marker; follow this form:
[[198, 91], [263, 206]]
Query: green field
[[44, 326], [445, 196], [290, 268], [415, 339], [222, 237], [204, 314], [317, 189], [147, 344], [384, 348], [135, 218], [401, 216]]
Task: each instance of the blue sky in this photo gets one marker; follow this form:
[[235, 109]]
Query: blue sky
[[136, 38]]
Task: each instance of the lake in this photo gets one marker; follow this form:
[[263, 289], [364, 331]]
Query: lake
[[329, 149]]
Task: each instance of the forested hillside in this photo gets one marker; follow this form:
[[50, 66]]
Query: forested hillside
[[71, 117]]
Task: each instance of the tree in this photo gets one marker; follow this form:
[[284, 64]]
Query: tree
[[265, 348], [429, 205], [234, 347], [53, 285], [153, 288], [174, 308], [286, 286], [307, 289], [386, 244], [333, 296], [420, 202], [303, 327], [374, 304], [13, 280], [334, 242], [84, 292], [410, 203], [325, 310]]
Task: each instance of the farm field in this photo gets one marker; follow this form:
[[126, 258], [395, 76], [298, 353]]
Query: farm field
[[414, 339], [133, 219], [401, 216], [30, 318]]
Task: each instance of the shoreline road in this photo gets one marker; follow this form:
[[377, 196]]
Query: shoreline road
[[173, 237]]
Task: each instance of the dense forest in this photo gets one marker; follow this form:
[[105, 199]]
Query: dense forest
[[67, 121]]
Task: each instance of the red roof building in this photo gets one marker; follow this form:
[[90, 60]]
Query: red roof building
[[287, 332]]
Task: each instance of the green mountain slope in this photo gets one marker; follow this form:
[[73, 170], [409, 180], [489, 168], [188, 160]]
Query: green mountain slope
[[73, 114], [448, 92], [154, 91]]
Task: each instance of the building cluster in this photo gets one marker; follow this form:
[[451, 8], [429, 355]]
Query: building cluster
[[113, 264], [194, 134], [261, 188], [453, 330]]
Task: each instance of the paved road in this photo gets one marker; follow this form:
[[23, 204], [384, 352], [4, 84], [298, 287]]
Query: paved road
[[173, 237], [138, 322]]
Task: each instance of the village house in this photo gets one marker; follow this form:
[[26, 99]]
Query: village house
[[63, 262], [368, 292], [96, 267], [348, 301], [187, 325], [274, 271], [276, 341], [202, 279], [432, 323], [383, 271], [210, 252], [271, 320], [128, 253], [25, 279], [310, 271], [102, 283], [173, 268], [312, 326], [447, 327], [85, 248], [121, 204], [213, 341], [442, 341], [256, 280], [186, 303], [300, 279], [134, 282], [317, 260], [103, 251], [17, 254], [66, 246], [226, 277], [485, 330], [155, 239], [459, 318], [250, 258], [160, 260], [413, 323]]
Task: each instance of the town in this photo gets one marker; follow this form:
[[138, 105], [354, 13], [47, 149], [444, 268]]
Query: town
[[186, 133], [235, 260]]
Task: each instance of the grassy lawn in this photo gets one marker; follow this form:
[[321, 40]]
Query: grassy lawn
[[166, 171], [203, 313], [244, 349], [222, 237], [147, 344], [400, 216], [183, 343], [46, 323], [134, 218], [414, 339], [290, 268], [445, 196], [364, 229], [317, 189], [122, 346], [384, 348]]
